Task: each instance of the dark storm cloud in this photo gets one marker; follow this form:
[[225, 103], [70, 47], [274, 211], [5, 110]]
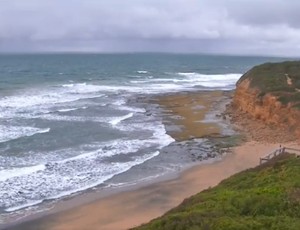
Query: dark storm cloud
[[225, 26]]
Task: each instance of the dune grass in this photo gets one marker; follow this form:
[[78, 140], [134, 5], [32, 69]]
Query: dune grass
[[266, 197]]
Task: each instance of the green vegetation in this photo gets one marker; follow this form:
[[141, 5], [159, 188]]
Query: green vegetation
[[281, 79], [266, 197], [286, 98], [271, 77]]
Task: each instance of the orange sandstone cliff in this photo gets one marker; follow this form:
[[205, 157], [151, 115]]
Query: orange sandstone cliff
[[271, 93]]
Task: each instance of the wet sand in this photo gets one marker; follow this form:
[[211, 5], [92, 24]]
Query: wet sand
[[132, 208]]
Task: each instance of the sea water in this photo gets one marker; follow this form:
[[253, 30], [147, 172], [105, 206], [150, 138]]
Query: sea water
[[70, 122]]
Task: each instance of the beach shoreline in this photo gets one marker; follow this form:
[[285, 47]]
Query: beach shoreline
[[131, 206], [199, 105], [128, 209]]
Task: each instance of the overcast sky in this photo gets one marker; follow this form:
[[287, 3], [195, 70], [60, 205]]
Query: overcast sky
[[265, 27]]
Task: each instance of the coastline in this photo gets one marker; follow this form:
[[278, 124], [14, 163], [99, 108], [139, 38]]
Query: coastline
[[130, 207]]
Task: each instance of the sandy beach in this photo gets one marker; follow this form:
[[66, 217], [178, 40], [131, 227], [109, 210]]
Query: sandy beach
[[128, 209]]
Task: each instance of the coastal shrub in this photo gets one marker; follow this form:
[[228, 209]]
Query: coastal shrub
[[285, 99], [265, 197], [271, 77]]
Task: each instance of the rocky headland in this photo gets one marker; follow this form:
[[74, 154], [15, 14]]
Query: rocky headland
[[266, 102]]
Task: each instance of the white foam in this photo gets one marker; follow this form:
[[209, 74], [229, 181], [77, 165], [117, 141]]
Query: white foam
[[83, 88], [26, 205], [156, 80], [111, 148], [78, 157], [119, 102], [188, 81], [53, 117], [212, 80], [62, 185], [132, 109], [118, 168], [33, 100], [117, 120], [160, 137], [142, 71], [72, 85], [11, 173], [8, 133], [187, 74], [50, 97], [67, 110], [160, 134]]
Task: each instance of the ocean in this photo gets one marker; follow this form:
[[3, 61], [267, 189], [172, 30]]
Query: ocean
[[72, 122]]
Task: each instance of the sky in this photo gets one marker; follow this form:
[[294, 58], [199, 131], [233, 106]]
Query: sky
[[243, 27]]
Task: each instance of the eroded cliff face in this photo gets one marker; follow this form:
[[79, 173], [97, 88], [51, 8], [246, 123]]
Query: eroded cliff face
[[266, 107]]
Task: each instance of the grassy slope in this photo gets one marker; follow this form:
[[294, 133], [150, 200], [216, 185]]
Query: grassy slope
[[271, 76], [266, 197]]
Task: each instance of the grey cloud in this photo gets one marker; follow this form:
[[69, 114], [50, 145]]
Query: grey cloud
[[227, 26], [265, 13]]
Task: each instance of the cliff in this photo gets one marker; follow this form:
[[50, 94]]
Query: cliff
[[271, 93]]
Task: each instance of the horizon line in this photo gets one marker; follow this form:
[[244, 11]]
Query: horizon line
[[140, 52]]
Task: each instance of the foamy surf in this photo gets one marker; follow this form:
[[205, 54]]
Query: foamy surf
[[83, 170], [16, 172], [212, 80], [142, 71], [114, 169], [67, 110], [8, 133], [188, 81], [23, 206], [117, 120]]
